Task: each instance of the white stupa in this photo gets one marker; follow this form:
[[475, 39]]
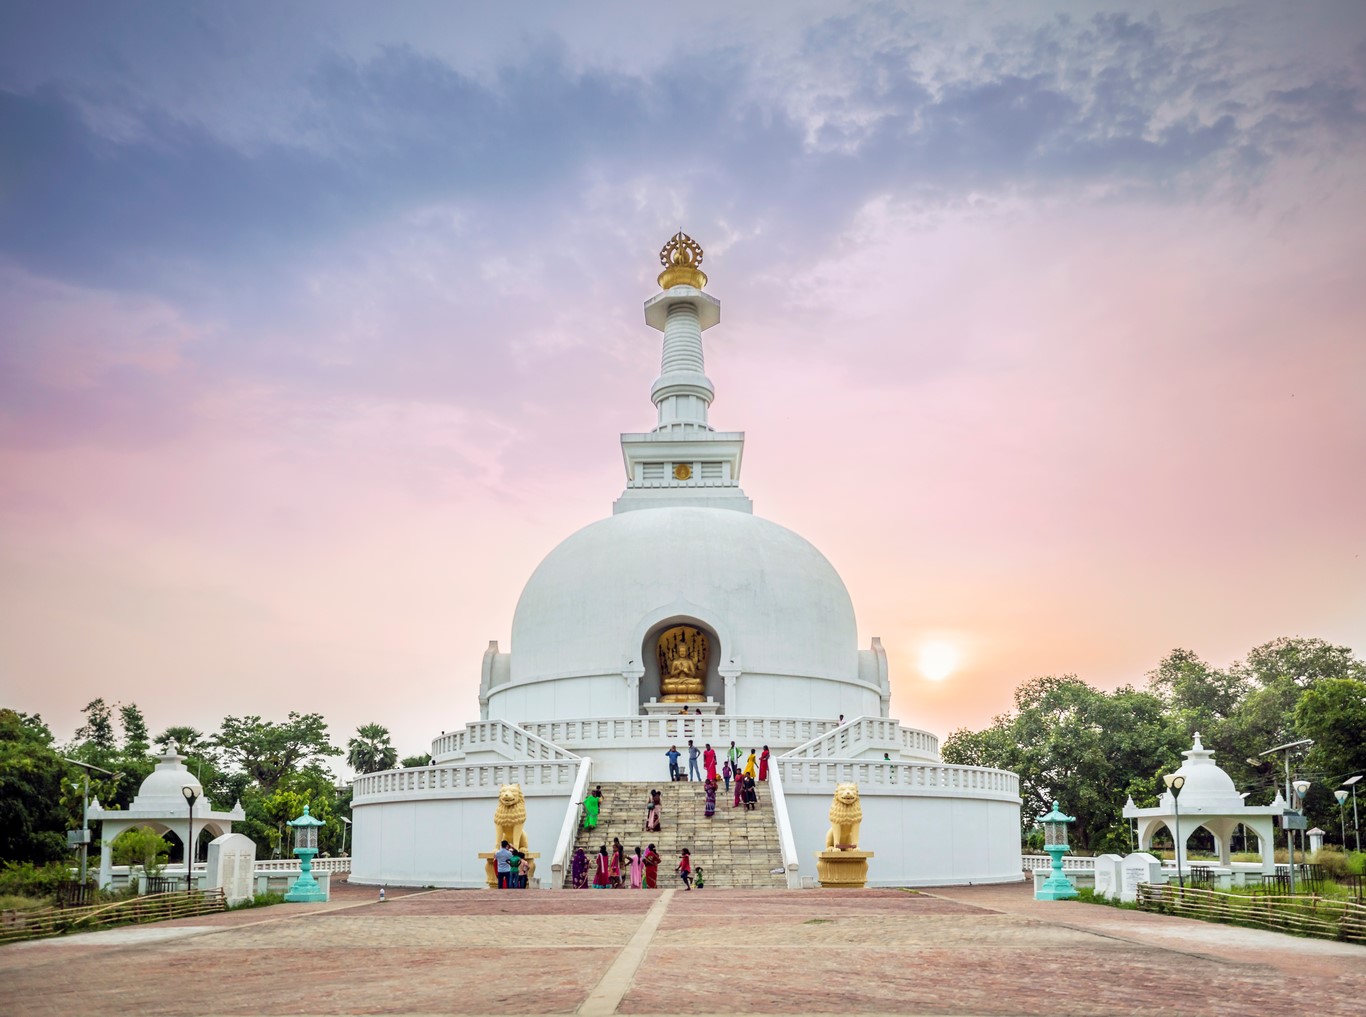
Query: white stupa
[[684, 601]]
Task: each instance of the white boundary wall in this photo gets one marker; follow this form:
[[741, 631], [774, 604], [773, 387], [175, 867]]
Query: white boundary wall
[[927, 824], [426, 826]]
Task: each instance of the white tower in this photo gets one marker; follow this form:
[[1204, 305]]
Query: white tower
[[683, 461]]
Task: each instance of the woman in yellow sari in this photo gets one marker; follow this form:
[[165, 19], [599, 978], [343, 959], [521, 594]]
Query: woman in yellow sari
[[751, 765]]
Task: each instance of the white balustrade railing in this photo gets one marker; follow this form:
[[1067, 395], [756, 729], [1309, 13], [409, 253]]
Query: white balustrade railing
[[1070, 863], [339, 864], [931, 778], [747, 732], [462, 779], [559, 861], [787, 842], [500, 736], [862, 734]]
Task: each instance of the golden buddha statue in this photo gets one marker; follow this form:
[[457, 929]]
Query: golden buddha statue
[[682, 665]]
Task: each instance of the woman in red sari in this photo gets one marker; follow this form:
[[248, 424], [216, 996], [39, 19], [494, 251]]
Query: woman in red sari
[[763, 764], [652, 861], [709, 761], [601, 875]]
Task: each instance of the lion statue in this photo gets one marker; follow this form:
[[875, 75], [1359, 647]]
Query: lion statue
[[509, 818], [846, 813]]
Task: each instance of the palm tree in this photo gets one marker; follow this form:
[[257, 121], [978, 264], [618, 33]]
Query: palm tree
[[370, 749]]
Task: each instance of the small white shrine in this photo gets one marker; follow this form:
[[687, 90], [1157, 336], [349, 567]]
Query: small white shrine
[[1208, 799], [160, 805]]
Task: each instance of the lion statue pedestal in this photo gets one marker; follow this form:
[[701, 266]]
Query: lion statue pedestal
[[509, 824], [842, 864]]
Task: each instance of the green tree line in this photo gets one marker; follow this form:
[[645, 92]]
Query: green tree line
[[273, 767], [1091, 750]]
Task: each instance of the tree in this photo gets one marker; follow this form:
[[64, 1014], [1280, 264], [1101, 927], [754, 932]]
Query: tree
[[33, 818], [1085, 748], [265, 752], [182, 739], [141, 846], [370, 750], [410, 761], [1333, 713], [135, 737], [96, 735]]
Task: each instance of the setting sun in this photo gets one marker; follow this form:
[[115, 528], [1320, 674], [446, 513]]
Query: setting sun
[[938, 660]]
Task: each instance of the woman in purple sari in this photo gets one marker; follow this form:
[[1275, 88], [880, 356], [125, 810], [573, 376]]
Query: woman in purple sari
[[711, 797], [578, 870]]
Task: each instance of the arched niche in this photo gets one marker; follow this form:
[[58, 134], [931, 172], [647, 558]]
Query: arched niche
[[713, 686]]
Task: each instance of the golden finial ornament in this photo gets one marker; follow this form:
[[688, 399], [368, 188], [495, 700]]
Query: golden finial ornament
[[680, 258]]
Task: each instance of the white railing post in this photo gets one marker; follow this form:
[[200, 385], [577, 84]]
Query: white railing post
[[786, 842], [570, 828]]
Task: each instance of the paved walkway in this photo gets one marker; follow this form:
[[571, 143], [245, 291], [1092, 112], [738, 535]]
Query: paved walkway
[[957, 951]]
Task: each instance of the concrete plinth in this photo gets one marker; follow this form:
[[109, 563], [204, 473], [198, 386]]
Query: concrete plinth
[[844, 870]]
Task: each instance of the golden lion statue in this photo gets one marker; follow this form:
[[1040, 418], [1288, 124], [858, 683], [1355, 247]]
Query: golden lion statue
[[509, 818], [846, 813]]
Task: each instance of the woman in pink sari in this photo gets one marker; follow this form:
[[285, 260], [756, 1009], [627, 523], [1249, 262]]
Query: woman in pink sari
[[709, 761], [637, 870], [739, 789]]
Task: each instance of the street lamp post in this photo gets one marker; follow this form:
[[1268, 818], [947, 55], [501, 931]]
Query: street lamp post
[[1175, 782], [1287, 748], [84, 834], [191, 796], [1356, 826], [1341, 796], [1301, 789]]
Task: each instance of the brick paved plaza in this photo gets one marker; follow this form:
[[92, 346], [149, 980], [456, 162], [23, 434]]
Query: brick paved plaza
[[961, 951]]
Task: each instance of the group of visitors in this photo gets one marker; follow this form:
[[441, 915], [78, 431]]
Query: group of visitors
[[512, 866], [615, 870], [756, 765]]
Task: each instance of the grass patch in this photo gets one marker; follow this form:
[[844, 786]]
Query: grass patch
[[18, 902], [1088, 896], [261, 900], [819, 921]]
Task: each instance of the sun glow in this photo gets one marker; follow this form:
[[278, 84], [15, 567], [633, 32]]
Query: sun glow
[[938, 660]]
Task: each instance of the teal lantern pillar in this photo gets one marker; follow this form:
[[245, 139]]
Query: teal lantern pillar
[[1056, 886], [306, 888]]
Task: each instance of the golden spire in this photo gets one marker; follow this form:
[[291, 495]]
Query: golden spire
[[680, 258]]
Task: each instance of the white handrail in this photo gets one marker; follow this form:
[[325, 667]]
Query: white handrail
[[786, 841], [570, 827]]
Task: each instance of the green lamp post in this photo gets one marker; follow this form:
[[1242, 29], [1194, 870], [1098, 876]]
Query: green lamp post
[[1056, 886], [306, 888]]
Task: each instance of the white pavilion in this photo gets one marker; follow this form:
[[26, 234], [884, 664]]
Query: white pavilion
[[684, 600]]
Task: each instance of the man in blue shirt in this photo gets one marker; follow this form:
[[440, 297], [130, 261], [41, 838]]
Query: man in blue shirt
[[693, 753], [503, 860], [673, 755]]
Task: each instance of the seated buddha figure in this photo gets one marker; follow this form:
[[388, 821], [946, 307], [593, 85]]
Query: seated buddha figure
[[680, 680]]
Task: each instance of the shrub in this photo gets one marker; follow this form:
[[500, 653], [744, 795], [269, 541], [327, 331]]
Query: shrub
[[261, 900], [24, 879], [1334, 861]]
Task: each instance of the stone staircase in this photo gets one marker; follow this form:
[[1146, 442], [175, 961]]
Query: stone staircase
[[735, 848]]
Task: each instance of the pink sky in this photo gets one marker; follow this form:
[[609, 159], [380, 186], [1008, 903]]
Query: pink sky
[[1062, 409]]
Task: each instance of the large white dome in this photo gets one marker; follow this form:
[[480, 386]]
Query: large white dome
[[775, 603]]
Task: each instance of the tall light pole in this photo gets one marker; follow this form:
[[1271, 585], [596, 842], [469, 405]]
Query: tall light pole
[[191, 796], [1356, 826], [1341, 796], [1301, 789], [1175, 782], [85, 808], [1287, 748]]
